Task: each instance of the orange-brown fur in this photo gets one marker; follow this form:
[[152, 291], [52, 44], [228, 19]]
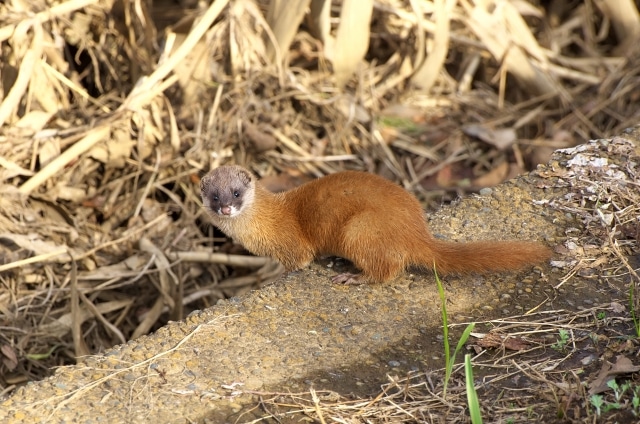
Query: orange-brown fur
[[362, 217]]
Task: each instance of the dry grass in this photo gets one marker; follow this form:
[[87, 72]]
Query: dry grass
[[104, 132]]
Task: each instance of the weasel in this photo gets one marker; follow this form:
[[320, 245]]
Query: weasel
[[379, 226]]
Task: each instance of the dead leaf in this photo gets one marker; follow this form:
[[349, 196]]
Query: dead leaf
[[259, 138], [33, 243], [63, 191], [627, 346], [34, 120], [349, 107], [493, 177], [124, 269], [388, 134], [498, 137], [8, 170], [115, 151], [62, 325], [542, 154], [601, 260], [494, 340], [400, 111], [11, 359], [609, 371], [47, 90], [48, 151], [550, 173], [96, 202], [516, 343], [444, 178], [617, 307]]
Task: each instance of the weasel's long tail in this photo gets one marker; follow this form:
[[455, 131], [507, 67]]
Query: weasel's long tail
[[480, 257]]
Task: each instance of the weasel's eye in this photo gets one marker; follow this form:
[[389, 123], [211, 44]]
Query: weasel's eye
[[215, 198], [236, 194]]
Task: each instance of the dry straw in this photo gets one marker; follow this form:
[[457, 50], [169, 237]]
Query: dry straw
[[105, 129]]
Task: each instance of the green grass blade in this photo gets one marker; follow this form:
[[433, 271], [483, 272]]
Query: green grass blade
[[448, 364], [472, 396], [463, 339], [632, 309]]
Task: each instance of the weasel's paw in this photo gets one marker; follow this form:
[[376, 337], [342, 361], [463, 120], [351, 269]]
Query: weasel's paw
[[348, 279]]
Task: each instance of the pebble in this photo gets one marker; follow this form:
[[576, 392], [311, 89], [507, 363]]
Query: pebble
[[588, 360]]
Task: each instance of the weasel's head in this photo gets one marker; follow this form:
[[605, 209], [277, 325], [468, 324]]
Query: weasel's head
[[227, 191]]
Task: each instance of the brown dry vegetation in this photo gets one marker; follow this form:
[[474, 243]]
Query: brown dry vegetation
[[111, 110]]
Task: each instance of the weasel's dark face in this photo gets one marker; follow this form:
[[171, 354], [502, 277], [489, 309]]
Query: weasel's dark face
[[227, 191]]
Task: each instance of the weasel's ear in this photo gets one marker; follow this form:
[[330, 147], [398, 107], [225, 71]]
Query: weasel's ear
[[245, 176], [204, 182]]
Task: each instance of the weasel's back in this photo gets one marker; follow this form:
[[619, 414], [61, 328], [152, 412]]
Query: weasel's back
[[361, 205], [341, 195]]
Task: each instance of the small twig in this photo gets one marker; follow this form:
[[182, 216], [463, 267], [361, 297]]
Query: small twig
[[245, 261], [34, 259], [96, 135]]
